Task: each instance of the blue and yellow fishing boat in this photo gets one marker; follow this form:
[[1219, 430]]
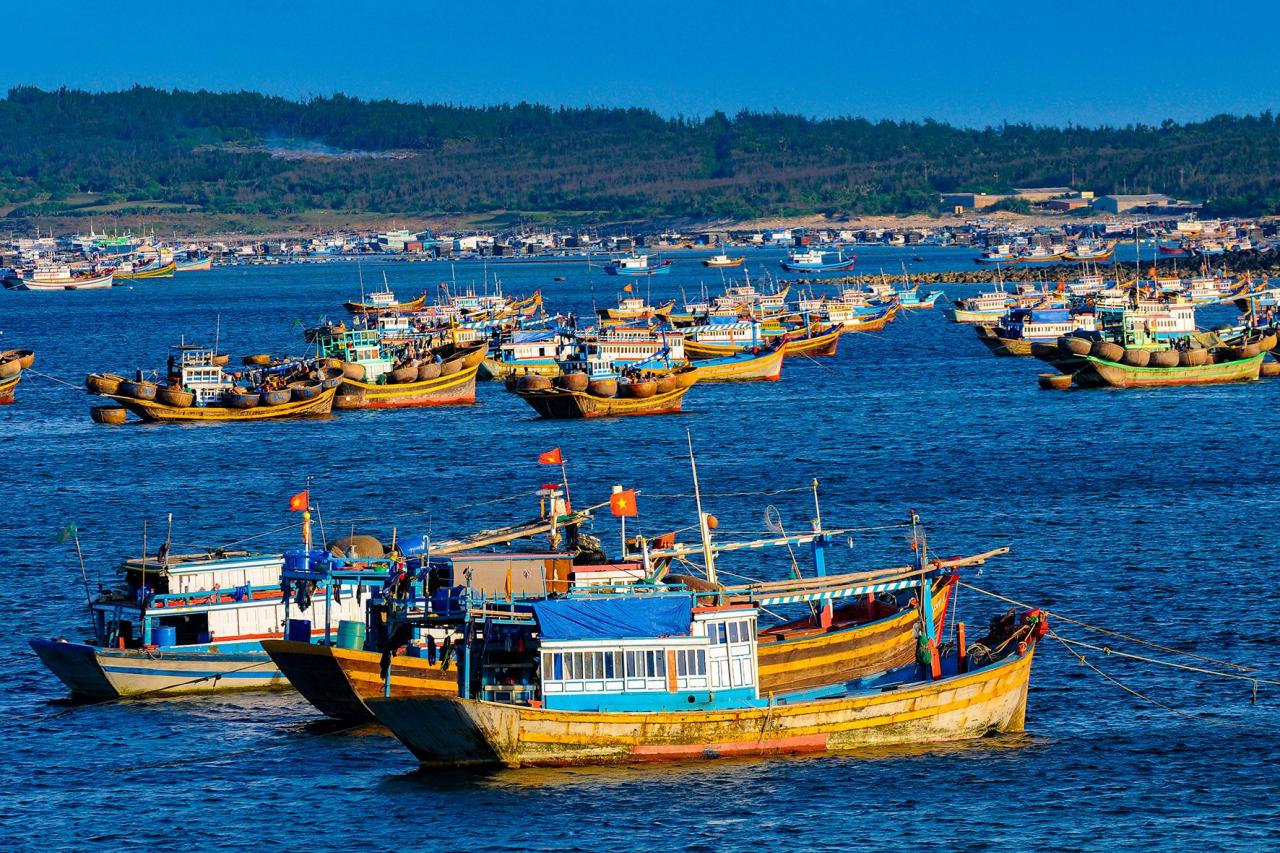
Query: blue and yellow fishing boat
[[195, 623], [12, 363]]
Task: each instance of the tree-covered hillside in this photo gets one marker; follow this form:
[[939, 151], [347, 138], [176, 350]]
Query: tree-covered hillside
[[244, 152]]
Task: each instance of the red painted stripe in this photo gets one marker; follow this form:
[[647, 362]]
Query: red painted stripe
[[795, 743]]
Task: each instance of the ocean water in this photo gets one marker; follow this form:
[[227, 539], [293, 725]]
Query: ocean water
[[1147, 512]]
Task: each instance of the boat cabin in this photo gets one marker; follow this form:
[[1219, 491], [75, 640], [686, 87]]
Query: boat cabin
[[653, 653]]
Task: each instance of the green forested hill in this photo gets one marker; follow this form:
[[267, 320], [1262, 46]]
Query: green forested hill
[[221, 152]]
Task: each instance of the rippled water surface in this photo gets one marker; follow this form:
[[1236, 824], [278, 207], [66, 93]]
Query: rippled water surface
[[1150, 512]]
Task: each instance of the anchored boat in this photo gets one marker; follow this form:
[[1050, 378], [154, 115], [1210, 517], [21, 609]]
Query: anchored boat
[[194, 623], [817, 260]]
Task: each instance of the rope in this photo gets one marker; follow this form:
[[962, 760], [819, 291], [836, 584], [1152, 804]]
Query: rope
[[1111, 633], [1110, 651], [764, 493], [1081, 660], [55, 379]]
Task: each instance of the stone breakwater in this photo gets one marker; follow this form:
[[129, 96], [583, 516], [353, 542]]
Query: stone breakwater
[[1253, 264]]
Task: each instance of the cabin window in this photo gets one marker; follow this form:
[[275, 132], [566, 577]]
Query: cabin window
[[733, 632]]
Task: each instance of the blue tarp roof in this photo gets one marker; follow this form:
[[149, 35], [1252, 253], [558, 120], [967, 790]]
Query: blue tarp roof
[[614, 618], [1051, 315], [527, 337]]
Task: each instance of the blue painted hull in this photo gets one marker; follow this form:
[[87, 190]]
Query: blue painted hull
[[834, 266], [662, 270]]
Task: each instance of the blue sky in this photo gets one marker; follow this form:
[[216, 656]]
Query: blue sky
[[972, 63]]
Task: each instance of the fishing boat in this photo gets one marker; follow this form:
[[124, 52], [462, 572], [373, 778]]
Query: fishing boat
[[415, 621], [194, 264], [872, 318], [194, 623], [60, 277], [199, 389], [816, 339], [911, 299], [1042, 254], [667, 677], [637, 264], [1086, 252], [639, 397], [1021, 328], [817, 260], [132, 272], [12, 363], [718, 339], [384, 300], [723, 260], [1220, 368], [1001, 253], [983, 308], [382, 377], [743, 366], [631, 308]]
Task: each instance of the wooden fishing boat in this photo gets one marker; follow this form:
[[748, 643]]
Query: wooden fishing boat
[[636, 309], [458, 387], [197, 265], [743, 367], [377, 306], [59, 277], [153, 410], [1119, 375], [664, 693], [558, 403], [872, 322], [160, 271], [722, 261], [198, 634], [492, 368], [816, 341]]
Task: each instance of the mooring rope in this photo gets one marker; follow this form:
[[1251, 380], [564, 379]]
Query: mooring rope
[[1110, 633]]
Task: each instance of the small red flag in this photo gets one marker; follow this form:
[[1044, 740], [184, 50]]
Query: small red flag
[[628, 289], [551, 457], [623, 503], [301, 502]]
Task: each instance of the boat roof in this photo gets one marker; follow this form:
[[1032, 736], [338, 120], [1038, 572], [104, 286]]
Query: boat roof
[[614, 618]]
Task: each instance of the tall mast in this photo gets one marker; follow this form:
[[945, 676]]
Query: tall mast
[[707, 554]]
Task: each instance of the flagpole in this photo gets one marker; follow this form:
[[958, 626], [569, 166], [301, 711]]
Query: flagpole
[[564, 478]]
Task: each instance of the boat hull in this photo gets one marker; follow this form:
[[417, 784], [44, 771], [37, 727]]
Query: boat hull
[[100, 282], [834, 266], [337, 681], [96, 673], [743, 367], [824, 344], [165, 271], [151, 410], [663, 310], [371, 308], [963, 315], [492, 368], [454, 389], [1123, 376], [8, 387], [871, 322], [560, 404], [447, 730], [203, 265]]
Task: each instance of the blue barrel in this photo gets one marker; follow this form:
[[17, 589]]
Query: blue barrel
[[350, 635], [299, 630], [164, 636], [203, 638]]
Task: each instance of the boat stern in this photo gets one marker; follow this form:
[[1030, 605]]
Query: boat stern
[[77, 666], [314, 672]]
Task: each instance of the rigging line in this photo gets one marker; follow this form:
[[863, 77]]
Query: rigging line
[[1127, 689], [1110, 651], [32, 370], [1108, 632], [764, 493], [434, 511], [204, 759]]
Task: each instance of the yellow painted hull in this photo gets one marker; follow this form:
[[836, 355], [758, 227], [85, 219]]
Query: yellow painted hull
[[8, 387], [767, 367], [494, 369], [453, 389], [337, 681], [560, 404], [150, 410], [447, 730], [165, 271], [824, 344]]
